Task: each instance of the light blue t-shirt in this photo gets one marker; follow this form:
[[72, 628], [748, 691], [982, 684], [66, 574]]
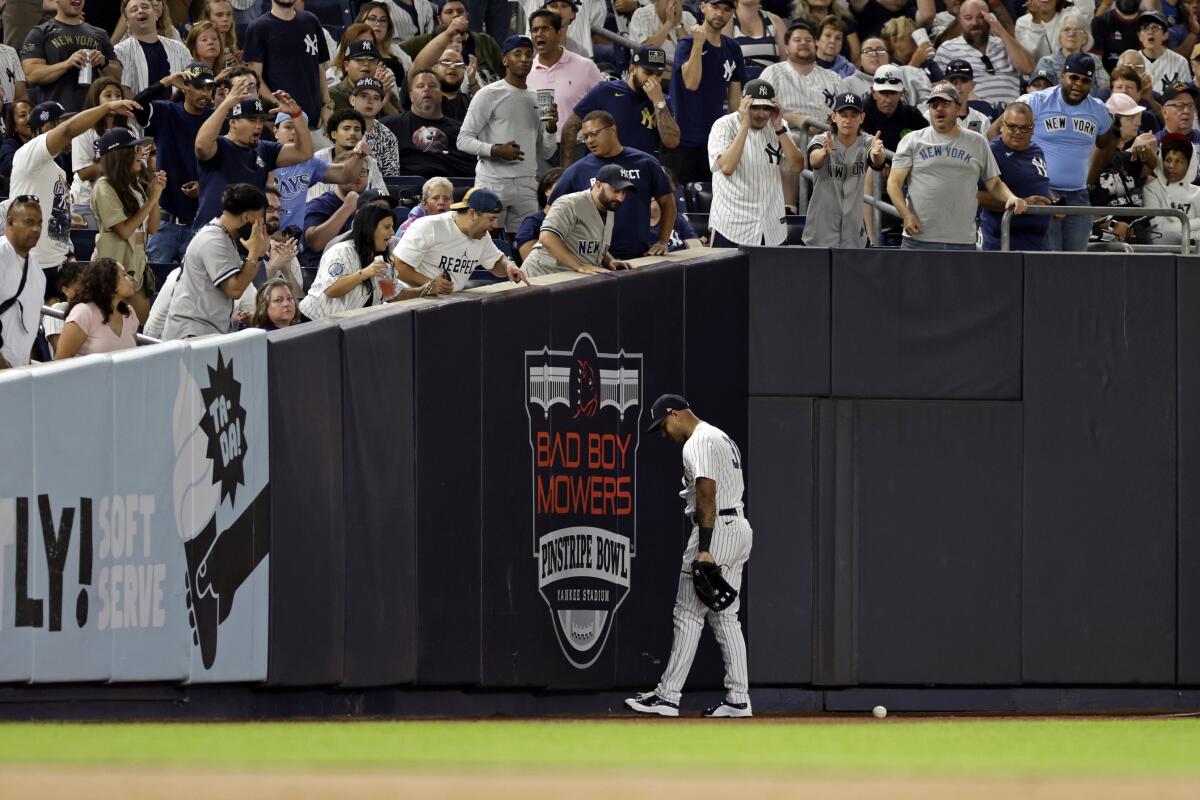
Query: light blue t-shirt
[[293, 183], [1066, 134]]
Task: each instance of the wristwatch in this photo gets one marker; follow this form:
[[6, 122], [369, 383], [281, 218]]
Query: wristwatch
[[783, 130], [660, 105]]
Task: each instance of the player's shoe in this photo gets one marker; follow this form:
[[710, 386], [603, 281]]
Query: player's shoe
[[650, 703], [728, 709]]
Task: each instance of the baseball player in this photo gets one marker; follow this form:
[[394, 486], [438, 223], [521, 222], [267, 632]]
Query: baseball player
[[712, 480], [839, 161], [579, 226], [745, 150], [439, 252]]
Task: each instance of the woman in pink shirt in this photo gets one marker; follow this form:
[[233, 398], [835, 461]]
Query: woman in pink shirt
[[99, 319]]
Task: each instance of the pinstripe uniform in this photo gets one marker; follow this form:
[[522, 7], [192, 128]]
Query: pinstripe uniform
[[747, 206], [811, 95], [709, 453], [337, 261]]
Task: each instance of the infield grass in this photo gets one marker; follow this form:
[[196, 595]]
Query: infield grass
[[943, 747]]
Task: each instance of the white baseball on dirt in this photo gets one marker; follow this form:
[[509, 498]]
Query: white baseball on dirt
[[879, 711]]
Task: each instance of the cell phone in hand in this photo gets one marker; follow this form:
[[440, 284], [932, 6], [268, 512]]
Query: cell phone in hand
[[292, 232]]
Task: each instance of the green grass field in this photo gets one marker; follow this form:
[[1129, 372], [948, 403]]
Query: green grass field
[[942, 747]]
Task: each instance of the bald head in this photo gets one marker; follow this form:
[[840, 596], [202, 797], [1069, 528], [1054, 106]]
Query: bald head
[[973, 17]]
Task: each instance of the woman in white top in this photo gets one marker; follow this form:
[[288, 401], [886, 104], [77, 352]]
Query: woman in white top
[[83, 148]]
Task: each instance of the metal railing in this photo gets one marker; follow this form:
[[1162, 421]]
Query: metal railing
[[47, 311], [1184, 247]]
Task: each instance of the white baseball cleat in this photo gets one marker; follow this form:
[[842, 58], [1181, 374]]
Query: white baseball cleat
[[650, 703], [728, 709]]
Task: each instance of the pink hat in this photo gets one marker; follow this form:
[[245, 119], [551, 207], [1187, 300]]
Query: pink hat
[[1123, 105]]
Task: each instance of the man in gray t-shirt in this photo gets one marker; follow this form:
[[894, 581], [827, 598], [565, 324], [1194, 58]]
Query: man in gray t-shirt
[[942, 165], [578, 228], [214, 273]]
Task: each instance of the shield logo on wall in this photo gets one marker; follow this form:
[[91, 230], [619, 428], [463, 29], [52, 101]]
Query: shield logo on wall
[[584, 409]]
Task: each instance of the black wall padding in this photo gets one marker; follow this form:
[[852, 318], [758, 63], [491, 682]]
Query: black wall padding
[[308, 583], [1099, 547], [1189, 470], [781, 437], [378, 453], [836, 566], [789, 321], [446, 338], [937, 532], [938, 326]]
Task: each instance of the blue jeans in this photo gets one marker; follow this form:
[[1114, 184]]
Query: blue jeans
[[168, 244], [912, 244], [1071, 234]]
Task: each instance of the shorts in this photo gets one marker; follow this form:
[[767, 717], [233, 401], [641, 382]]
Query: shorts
[[519, 196]]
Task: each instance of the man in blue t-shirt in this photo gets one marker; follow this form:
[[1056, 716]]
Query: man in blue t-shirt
[[636, 103], [287, 49], [1023, 170], [1068, 123], [631, 234], [241, 156], [331, 214], [175, 126], [295, 181], [704, 80]]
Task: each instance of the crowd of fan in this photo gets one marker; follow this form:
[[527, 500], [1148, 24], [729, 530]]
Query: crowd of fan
[[260, 148]]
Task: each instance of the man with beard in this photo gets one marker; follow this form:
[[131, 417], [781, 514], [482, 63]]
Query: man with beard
[[637, 103], [1023, 170], [746, 149], [632, 237], [427, 139], [287, 49], [451, 72], [803, 89], [453, 21], [241, 156], [578, 228], [145, 56], [942, 165], [504, 131], [709, 72], [1068, 124], [569, 76], [996, 57], [1115, 31], [175, 126]]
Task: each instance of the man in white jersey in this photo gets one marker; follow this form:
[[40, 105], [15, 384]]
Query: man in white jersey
[[712, 493], [439, 252], [745, 150]]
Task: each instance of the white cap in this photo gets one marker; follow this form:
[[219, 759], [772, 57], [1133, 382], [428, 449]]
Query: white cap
[[888, 78], [1123, 105]]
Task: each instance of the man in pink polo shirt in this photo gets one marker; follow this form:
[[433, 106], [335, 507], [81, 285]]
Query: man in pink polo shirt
[[555, 67]]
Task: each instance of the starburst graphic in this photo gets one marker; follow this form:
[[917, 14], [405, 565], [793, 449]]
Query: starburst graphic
[[224, 423]]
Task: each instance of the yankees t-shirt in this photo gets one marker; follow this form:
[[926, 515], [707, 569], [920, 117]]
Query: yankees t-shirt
[[633, 112], [54, 43], [36, 172], [697, 111], [1066, 133], [233, 163], [429, 147], [434, 244], [291, 52], [174, 131], [943, 180], [584, 229], [1025, 173], [631, 239]]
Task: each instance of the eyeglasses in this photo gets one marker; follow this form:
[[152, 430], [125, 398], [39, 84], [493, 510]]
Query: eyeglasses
[[1017, 128], [452, 63], [381, 20], [874, 51], [593, 134], [1180, 107], [987, 65]]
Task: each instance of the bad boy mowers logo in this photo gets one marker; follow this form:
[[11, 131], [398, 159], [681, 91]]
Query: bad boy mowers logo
[[584, 409]]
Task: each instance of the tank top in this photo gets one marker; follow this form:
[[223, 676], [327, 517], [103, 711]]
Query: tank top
[[758, 50]]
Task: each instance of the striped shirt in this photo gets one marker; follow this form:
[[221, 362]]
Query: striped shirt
[[811, 95], [710, 453], [338, 261], [758, 50], [374, 181], [747, 206], [1167, 69], [996, 81]]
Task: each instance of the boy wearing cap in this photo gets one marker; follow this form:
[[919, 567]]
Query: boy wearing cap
[[942, 165], [439, 252], [241, 156], [570, 76], [746, 150], [362, 61], [503, 128], [637, 104], [1068, 124], [578, 228], [367, 100], [962, 77], [287, 49], [709, 72], [1165, 67], [839, 160]]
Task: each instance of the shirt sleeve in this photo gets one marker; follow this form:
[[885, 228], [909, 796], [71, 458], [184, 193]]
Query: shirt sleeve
[[322, 45], [106, 47], [739, 67], [84, 315], [587, 104], [1104, 120], [904, 153], [107, 206], [489, 253], [473, 125], [253, 46], [660, 184], [560, 219], [218, 265], [683, 226], [706, 457], [642, 26], [416, 240], [270, 153], [35, 43], [817, 142], [719, 139]]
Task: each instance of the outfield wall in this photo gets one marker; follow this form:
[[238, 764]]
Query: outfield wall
[[961, 474]]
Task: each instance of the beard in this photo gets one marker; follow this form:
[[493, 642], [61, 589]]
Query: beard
[[450, 88], [976, 38]]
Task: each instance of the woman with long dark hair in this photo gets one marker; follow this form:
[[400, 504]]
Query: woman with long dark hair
[[16, 133], [357, 272], [99, 319], [83, 147], [125, 204]]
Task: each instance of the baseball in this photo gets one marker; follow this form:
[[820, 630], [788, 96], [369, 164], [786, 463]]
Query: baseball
[[879, 711]]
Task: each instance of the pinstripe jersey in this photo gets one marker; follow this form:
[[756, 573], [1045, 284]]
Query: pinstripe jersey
[[709, 453], [995, 82], [1167, 69], [338, 261], [811, 95], [747, 206]]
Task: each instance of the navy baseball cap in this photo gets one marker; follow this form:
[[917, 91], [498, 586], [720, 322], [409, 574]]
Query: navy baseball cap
[[482, 200], [1044, 75], [45, 113], [119, 138], [363, 84], [248, 109], [960, 68], [373, 196], [199, 74], [651, 58], [760, 93], [614, 177], [362, 48], [848, 100], [1170, 94], [513, 42], [1152, 18], [1080, 64], [663, 406]]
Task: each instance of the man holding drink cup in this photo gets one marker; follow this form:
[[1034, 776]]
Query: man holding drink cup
[[59, 54], [559, 76]]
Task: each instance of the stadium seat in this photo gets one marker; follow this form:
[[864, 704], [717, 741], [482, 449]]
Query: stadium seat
[[405, 188], [700, 224], [503, 245], [461, 185], [83, 241], [699, 197], [795, 229]]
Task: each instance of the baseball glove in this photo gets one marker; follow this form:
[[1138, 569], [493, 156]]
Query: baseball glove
[[712, 589]]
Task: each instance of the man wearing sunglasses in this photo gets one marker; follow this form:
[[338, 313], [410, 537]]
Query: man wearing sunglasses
[[995, 55], [1023, 170], [886, 110]]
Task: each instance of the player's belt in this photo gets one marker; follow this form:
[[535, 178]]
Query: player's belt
[[724, 512]]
